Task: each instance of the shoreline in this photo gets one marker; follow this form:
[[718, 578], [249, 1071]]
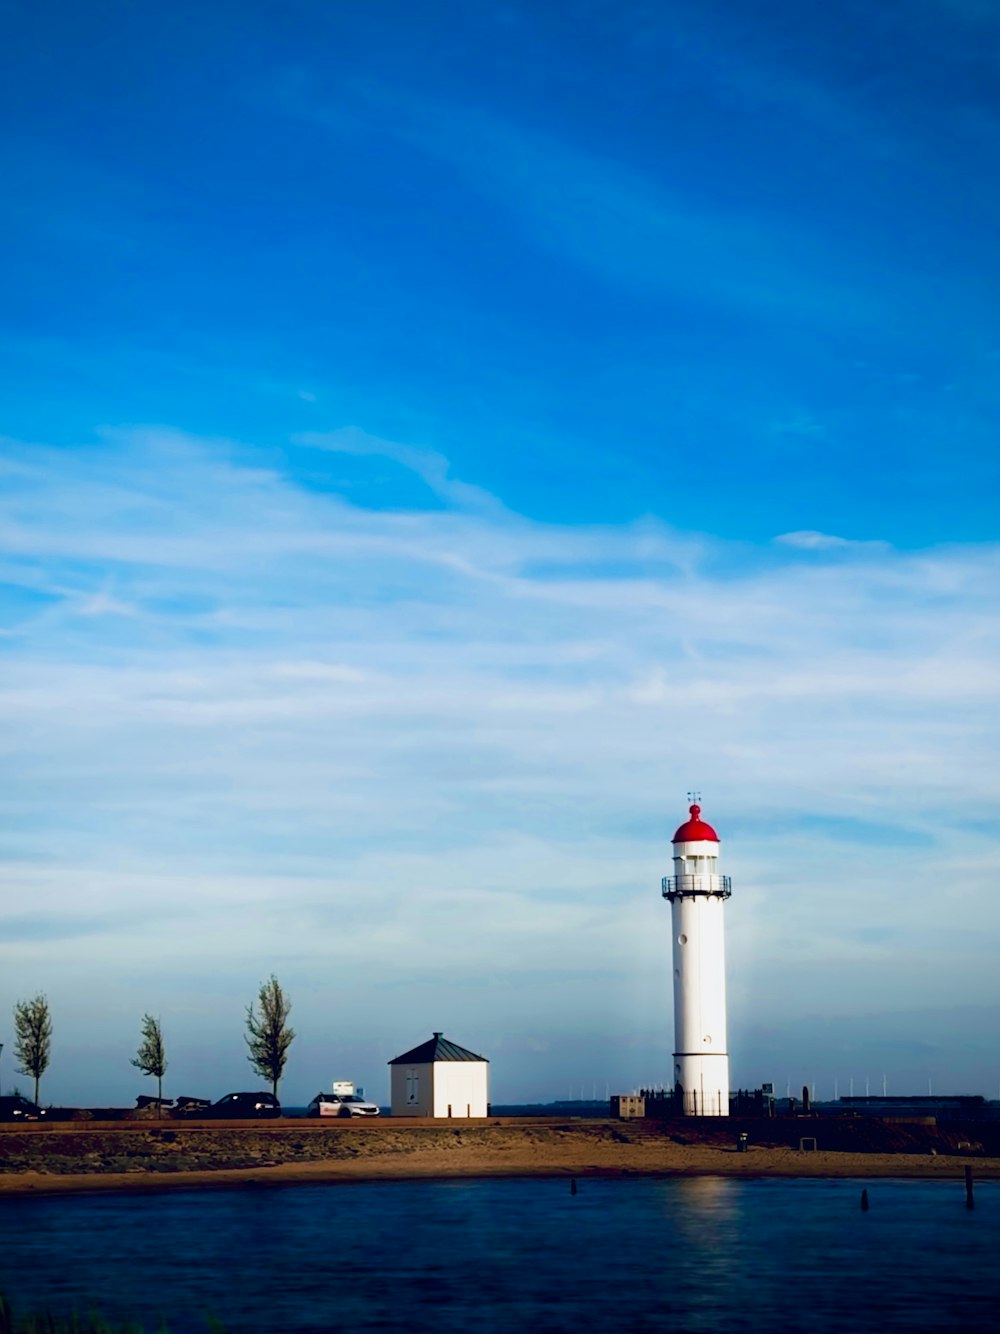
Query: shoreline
[[164, 1157]]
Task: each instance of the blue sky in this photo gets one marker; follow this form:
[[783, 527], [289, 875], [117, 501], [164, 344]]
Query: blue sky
[[437, 437]]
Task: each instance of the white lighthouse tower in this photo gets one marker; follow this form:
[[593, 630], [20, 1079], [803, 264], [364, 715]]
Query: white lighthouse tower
[[696, 893]]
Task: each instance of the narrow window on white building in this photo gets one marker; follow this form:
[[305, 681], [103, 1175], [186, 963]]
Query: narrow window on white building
[[412, 1086]]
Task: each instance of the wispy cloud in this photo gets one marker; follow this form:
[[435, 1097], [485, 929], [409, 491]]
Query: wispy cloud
[[651, 231], [808, 540], [431, 467]]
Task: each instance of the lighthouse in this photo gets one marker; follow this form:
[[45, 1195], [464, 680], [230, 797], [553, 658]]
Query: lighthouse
[[697, 894]]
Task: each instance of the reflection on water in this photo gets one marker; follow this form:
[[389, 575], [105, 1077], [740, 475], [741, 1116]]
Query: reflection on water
[[705, 1200], [697, 1254]]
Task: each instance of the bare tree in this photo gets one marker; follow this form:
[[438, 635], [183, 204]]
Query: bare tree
[[151, 1058], [33, 1037], [268, 1035]]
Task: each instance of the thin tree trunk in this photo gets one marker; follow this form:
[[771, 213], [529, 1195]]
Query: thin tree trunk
[[37, 1077]]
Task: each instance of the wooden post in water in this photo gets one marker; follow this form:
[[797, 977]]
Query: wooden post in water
[[572, 1186], [864, 1201], [970, 1202]]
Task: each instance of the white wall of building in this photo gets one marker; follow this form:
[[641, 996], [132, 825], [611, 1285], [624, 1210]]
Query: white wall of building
[[462, 1086], [430, 1090], [411, 1090]]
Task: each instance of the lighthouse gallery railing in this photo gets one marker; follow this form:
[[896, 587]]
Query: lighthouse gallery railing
[[675, 886]]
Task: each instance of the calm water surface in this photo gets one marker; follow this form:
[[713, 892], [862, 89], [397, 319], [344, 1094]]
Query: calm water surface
[[682, 1255]]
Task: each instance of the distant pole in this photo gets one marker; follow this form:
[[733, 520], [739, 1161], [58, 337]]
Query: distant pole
[[852, 1086], [836, 1089], [885, 1087], [864, 1201], [1, 1053], [930, 1087], [970, 1203]]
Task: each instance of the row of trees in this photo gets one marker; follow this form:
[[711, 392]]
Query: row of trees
[[268, 1037]]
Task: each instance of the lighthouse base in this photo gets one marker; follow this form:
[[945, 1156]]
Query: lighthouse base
[[701, 1083]]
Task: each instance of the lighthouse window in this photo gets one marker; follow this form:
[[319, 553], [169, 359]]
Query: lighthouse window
[[682, 940]]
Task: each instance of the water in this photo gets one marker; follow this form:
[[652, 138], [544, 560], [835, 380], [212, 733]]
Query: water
[[692, 1255]]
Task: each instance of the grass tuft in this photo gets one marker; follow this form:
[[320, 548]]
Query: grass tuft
[[91, 1323]]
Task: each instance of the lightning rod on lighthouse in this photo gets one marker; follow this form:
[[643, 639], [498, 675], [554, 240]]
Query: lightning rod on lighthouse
[[697, 893]]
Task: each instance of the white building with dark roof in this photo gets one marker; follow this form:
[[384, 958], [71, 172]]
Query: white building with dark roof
[[439, 1078]]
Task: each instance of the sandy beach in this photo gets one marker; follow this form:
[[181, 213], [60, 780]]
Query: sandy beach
[[64, 1159]]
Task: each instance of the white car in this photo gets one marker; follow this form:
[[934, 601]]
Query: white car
[[341, 1104]]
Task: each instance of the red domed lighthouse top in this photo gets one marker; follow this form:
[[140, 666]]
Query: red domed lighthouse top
[[695, 830]]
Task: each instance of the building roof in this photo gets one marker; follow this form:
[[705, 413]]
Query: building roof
[[696, 830], [437, 1048]]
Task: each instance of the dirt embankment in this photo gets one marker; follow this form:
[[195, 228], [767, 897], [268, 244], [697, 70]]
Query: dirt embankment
[[85, 1156]]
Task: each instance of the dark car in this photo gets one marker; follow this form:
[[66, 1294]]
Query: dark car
[[144, 1103], [16, 1108], [185, 1106], [242, 1106]]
